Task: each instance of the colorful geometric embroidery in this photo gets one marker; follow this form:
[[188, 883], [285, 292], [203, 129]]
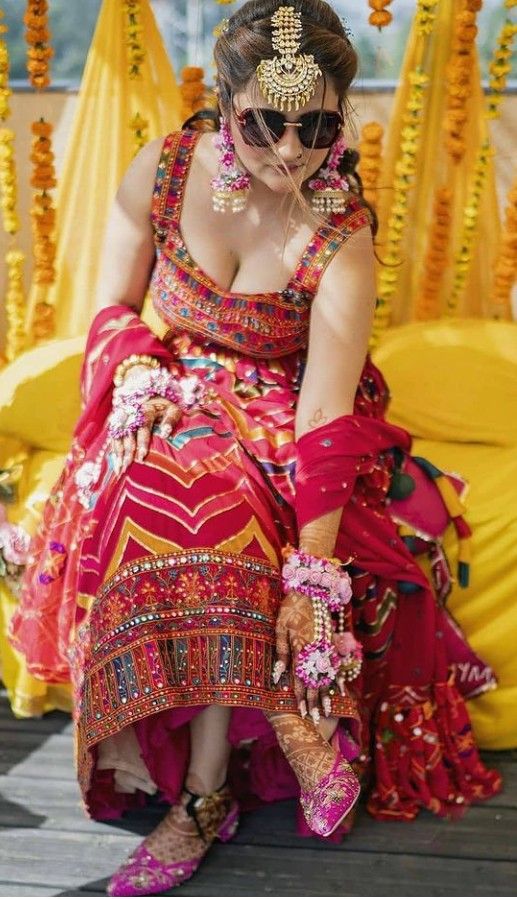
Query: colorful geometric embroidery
[[180, 629]]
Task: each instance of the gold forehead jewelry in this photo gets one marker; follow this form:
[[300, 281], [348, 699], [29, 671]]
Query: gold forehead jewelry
[[289, 80]]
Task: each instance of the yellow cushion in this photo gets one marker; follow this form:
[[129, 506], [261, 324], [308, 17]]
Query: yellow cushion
[[39, 394], [454, 381]]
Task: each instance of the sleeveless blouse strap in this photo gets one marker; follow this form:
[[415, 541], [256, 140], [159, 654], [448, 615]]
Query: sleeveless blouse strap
[[326, 242], [176, 155]]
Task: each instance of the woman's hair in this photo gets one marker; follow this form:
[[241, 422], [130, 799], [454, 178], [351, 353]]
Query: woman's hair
[[247, 40]]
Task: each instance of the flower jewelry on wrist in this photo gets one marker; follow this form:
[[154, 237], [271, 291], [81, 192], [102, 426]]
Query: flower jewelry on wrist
[[333, 654], [320, 579], [129, 398], [131, 361]]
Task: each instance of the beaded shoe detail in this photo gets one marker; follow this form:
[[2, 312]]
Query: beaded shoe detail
[[331, 799], [215, 816]]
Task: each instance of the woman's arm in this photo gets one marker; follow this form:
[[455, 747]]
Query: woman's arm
[[128, 252], [341, 321], [127, 261]]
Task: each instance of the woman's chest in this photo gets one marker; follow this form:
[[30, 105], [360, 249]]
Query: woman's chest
[[253, 252], [260, 324]]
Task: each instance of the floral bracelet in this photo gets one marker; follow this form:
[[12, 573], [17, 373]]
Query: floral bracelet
[[129, 398], [318, 578], [334, 654]]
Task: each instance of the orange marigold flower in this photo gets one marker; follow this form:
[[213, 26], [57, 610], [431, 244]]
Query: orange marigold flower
[[41, 128], [380, 19]]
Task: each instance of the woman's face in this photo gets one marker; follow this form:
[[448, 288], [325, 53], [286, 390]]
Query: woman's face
[[289, 159]]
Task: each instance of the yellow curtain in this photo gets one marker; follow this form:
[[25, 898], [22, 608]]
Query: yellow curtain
[[100, 148], [435, 169]]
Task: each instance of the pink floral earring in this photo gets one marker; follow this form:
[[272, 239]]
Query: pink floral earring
[[329, 186], [231, 187]]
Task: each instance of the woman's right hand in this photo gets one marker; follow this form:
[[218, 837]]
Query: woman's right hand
[[135, 445]]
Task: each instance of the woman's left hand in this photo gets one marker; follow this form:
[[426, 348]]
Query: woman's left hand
[[294, 629]]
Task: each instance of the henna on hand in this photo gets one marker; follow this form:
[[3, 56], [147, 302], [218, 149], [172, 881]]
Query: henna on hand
[[136, 446], [294, 629]]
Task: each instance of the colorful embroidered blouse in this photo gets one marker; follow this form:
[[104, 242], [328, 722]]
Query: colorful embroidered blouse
[[264, 325]]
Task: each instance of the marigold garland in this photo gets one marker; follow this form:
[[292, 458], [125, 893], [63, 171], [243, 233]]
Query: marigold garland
[[136, 55], [437, 256], [37, 36], [405, 170], [140, 127], [500, 67], [425, 16], [192, 90], [15, 305], [506, 264], [8, 192], [5, 91], [463, 258], [458, 74], [135, 51], [14, 294], [370, 149], [380, 17], [43, 216]]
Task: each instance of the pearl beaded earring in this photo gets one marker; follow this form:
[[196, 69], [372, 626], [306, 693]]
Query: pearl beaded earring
[[329, 186], [231, 186]]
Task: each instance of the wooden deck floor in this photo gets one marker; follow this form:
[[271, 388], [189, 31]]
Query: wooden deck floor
[[48, 847]]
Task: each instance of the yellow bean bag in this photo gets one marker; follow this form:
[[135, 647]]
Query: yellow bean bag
[[454, 387]]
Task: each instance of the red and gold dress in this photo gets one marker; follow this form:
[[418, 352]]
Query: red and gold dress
[[158, 590]]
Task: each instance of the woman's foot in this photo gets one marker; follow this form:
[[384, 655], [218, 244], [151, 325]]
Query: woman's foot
[[327, 803], [329, 787], [174, 850]]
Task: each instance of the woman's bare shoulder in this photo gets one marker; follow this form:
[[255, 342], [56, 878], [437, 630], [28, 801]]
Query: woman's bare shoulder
[[136, 187]]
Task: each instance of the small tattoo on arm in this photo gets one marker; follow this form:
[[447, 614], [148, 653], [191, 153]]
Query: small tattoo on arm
[[318, 419]]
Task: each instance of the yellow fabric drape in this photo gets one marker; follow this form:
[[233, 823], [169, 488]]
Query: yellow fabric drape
[[435, 169], [99, 150], [454, 386]]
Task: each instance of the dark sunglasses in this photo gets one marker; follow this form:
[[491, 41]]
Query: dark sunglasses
[[318, 129]]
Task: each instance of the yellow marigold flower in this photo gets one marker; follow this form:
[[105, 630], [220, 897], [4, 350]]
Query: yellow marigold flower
[[418, 78], [499, 69]]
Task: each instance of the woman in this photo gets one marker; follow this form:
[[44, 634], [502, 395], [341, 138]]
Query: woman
[[165, 537]]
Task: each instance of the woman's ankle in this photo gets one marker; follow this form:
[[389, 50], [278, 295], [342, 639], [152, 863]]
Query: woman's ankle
[[204, 786]]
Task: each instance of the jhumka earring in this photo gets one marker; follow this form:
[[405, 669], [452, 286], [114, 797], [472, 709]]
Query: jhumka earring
[[330, 187], [231, 187]]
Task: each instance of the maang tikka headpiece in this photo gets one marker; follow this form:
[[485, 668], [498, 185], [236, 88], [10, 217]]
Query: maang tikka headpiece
[[289, 80]]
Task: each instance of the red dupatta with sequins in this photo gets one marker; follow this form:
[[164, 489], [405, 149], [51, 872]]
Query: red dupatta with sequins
[[43, 625], [330, 462]]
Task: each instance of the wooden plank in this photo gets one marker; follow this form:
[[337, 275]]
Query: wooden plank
[[31, 754], [483, 833], [52, 723], [83, 864], [29, 889]]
